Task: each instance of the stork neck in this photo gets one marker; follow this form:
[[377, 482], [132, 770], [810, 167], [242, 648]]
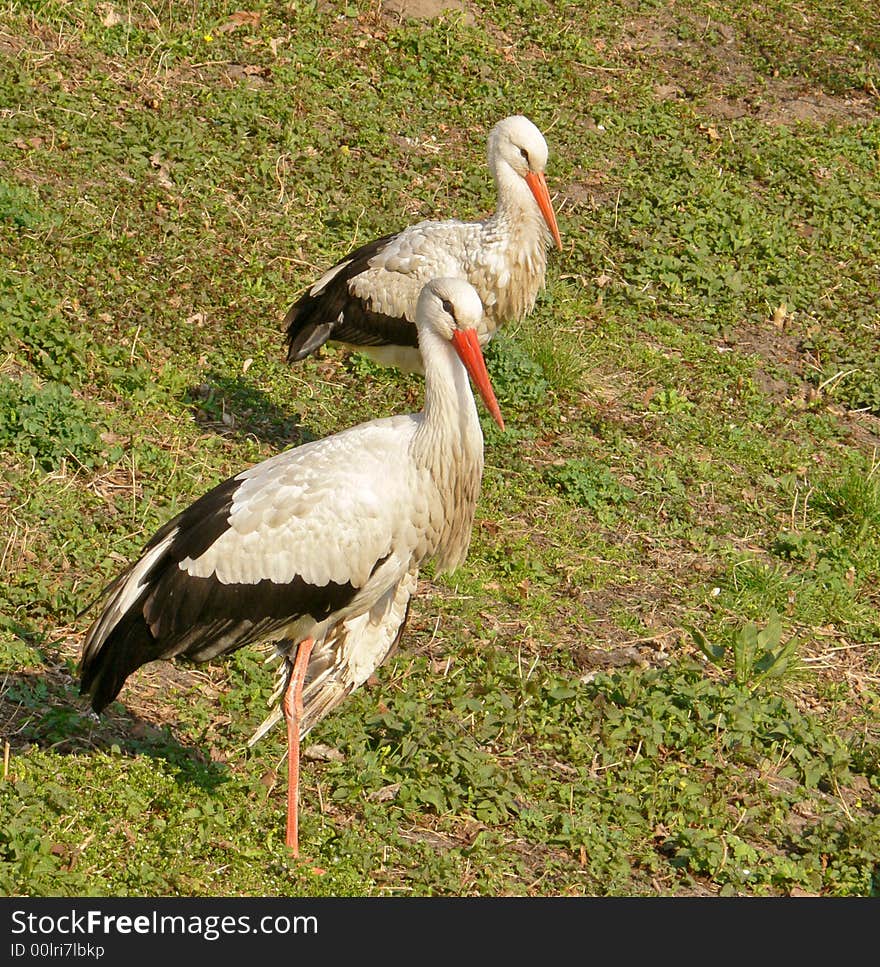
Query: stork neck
[[448, 445], [450, 411], [517, 216]]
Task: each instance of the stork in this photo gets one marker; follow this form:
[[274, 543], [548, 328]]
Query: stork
[[368, 299], [317, 548]]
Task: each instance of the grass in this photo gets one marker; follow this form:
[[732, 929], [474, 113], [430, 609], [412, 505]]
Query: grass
[[657, 673]]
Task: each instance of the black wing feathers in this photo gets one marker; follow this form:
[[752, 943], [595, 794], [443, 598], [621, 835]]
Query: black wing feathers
[[199, 618], [105, 673], [334, 313]]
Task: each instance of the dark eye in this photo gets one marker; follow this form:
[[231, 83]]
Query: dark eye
[[525, 154], [447, 307]]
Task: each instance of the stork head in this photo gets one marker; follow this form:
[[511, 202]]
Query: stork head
[[452, 308], [516, 142]]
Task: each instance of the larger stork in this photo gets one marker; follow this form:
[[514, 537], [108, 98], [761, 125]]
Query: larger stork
[[317, 548], [367, 300]]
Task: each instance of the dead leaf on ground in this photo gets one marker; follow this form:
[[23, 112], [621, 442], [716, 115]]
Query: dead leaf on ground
[[317, 752], [385, 793], [110, 16], [241, 18], [163, 167]]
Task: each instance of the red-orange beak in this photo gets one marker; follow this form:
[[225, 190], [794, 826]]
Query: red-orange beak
[[538, 184], [467, 345]]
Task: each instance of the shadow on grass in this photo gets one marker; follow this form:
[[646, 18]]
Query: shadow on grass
[[231, 406], [43, 708]]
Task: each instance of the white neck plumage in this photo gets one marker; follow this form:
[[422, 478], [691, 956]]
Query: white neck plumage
[[518, 230], [449, 443], [450, 409], [517, 208]]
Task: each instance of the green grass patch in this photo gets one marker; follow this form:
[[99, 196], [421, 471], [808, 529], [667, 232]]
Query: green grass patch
[[656, 672]]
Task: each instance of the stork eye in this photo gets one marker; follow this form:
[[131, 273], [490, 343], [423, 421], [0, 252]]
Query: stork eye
[[447, 307], [525, 155]]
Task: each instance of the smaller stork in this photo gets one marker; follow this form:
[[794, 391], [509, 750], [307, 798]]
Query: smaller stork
[[317, 548], [367, 300]]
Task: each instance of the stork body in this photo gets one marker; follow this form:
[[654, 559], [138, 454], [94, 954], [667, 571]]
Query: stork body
[[368, 299], [317, 548]]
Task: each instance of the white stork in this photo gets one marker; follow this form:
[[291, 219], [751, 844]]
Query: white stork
[[368, 299], [317, 548]]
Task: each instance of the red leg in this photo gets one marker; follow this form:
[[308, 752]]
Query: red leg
[[293, 710]]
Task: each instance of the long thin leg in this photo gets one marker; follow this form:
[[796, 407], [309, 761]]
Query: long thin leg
[[293, 709]]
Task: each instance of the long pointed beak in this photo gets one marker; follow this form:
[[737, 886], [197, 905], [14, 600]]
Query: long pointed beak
[[538, 184], [467, 345]]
